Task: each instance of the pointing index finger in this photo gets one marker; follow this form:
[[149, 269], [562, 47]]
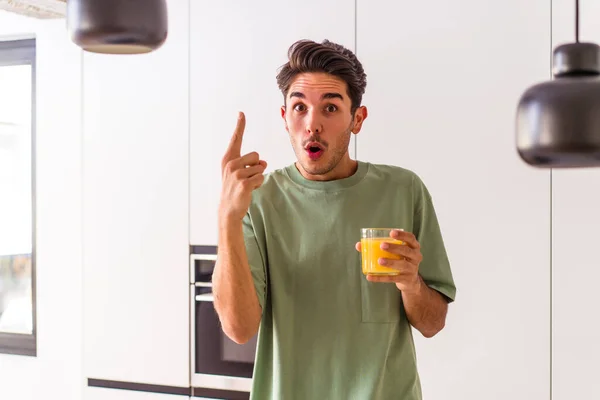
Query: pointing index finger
[[235, 144]]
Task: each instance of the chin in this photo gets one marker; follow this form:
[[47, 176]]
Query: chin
[[316, 168]]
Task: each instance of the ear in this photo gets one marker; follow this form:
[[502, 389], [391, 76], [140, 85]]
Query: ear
[[360, 115], [283, 116]]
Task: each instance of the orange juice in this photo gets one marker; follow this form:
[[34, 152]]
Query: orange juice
[[371, 252]]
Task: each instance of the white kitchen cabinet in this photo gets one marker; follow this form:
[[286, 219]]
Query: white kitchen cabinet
[[135, 218], [236, 50], [94, 393], [575, 267], [444, 79], [576, 327]]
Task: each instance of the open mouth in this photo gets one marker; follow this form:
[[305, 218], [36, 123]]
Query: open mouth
[[314, 150]]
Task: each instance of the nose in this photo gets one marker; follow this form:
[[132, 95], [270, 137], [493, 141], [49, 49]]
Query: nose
[[314, 124]]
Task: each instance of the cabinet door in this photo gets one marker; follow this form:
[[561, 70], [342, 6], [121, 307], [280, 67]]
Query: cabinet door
[[236, 50], [444, 79], [135, 154], [576, 224], [93, 393], [576, 326]]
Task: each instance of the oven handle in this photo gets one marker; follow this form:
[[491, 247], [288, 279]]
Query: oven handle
[[208, 297]]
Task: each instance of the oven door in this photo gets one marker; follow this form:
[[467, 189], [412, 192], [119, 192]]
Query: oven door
[[217, 361]]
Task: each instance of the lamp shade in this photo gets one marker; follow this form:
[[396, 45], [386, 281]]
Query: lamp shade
[[117, 26], [558, 122]]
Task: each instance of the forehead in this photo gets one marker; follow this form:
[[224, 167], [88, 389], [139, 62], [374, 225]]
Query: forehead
[[317, 83]]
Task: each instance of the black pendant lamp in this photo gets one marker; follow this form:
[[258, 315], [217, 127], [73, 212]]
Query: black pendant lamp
[[117, 26], [558, 122]]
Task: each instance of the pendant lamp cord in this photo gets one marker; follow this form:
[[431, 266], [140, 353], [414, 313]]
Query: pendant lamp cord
[[577, 21]]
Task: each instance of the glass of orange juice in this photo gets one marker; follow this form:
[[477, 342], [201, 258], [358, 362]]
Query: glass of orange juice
[[370, 246]]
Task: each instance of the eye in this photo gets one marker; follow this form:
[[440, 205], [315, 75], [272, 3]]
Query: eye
[[331, 108], [300, 107]]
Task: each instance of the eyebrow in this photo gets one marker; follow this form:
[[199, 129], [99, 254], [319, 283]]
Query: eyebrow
[[331, 95]]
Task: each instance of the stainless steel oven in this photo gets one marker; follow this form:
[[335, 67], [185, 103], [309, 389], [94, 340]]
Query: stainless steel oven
[[218, 363]]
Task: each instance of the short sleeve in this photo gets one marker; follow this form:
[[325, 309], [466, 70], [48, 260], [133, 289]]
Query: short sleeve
[[255, 260], [435, 267]]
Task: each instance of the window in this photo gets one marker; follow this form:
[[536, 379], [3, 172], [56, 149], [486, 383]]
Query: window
[[17, 197]]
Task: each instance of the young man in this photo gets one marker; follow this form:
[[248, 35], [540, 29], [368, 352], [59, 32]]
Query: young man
[[289, 257]]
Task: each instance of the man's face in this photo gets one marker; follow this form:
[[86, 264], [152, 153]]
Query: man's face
[[319, 120]]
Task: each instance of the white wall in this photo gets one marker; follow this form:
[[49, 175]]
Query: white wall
[[576, 272], [57, 368]]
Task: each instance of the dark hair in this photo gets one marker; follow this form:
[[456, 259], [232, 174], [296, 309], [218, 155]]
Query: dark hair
[[309, 56]]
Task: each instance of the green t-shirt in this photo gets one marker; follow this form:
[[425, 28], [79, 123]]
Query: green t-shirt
[[326, 332]]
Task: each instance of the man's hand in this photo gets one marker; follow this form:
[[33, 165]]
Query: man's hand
[[408, 280], [240, 176], [425, 307]]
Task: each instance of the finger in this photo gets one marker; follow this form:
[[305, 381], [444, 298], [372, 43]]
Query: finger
[[400, 265], [406, 237], [247, 160], [383, 278], [251, 171], [357, 246], [235, 144], [256, 181], [402, 250]]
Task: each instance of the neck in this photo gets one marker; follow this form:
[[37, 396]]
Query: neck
[[344, 169]]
